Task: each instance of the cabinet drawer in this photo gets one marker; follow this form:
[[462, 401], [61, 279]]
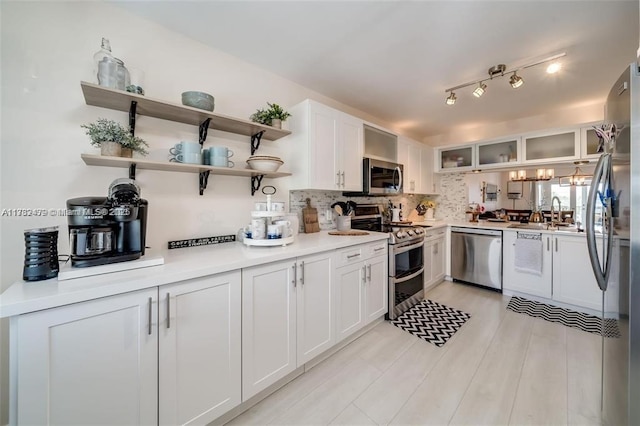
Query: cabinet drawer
[[435, 233], [375, 249], [350, 255]]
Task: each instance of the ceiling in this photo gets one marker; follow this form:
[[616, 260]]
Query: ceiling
[[394, 59]]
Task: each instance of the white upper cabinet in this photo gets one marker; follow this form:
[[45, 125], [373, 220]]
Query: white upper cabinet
[[325, 148], [498, 153], [589, 143], [456, 159], [552, 146], [417, 160]]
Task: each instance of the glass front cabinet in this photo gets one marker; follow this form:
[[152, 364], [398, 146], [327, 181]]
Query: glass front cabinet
[[498, 153], [589, 143], [551, 146], [459, 158]]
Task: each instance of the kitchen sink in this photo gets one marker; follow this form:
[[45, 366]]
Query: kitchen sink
[[536, 226]]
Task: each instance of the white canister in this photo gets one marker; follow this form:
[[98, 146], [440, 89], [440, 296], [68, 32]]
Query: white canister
[[295, 223], [277, 206], [286, 227], [274, 231], [258, 229], [261, 206], [344, 223]]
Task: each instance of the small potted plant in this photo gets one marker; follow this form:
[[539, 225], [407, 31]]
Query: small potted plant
[[272, 116], [113, 138]]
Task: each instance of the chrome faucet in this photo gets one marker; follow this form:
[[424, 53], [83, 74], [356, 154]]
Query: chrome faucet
[[553, 211]]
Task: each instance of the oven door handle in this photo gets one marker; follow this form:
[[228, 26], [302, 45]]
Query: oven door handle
[[408, 277], [407, 248]]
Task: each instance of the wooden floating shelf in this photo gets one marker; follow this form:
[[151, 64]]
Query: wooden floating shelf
[[122, 162], [120, 100]]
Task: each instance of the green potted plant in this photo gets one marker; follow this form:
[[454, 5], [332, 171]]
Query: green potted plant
[[113, 138], [274, 115]]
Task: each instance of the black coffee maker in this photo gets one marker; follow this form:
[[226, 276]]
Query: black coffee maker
[[108, 230]]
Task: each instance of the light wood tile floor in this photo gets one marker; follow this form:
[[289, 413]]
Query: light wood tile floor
[[500, 368]]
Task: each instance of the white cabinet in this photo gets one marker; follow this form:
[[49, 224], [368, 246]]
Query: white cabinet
[[589, 143], [525, 282], [89, 362], [498, 153], [551, 146], [315, 316], [573, 279], [456, 159], [361, 280], [325, 148], [417, 160], [200, 352], [434, 256], [268, 325]]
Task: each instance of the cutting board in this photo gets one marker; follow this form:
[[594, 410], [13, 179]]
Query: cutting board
[[350, 233], [310, 218]]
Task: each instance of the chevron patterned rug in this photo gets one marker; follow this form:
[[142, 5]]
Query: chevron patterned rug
[[431, 321], [567, 317]]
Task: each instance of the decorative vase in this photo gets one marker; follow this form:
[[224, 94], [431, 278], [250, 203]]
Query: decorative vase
[[429, 214], [277, 123], [113, 149], [126, 152]]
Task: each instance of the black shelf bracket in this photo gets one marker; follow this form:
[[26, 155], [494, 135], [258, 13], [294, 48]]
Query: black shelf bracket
[[255, 142], [204, 128], [256, 181], [132, 117], [204, 180], [132, 171]]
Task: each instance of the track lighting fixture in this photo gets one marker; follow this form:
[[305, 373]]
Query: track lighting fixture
[[499, 71], [451, 99], [516, 81], [480, 90]]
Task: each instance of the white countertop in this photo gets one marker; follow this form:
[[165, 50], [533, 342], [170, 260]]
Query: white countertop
[[180, 264]]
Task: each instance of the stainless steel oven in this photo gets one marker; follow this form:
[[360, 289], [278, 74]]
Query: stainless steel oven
[[406, 275]]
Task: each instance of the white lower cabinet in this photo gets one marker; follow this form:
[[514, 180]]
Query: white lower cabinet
[[86, 363], [361, 280], [525, 282], [573, 279], [287, 318], [134, 358], [200, 352], [434, 257]]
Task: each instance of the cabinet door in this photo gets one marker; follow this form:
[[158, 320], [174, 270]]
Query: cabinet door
[[403, 158], [268, 325], [315, 325], [350, 141], [573, 280], [350, 310], [498, 153], [323, 140], [555, 146], [426, 175], [87, 363], [428, 261], [376, 293], [200, 352], [415, 169], [438, 259], [524, 282], [589, 143], [456, 159]]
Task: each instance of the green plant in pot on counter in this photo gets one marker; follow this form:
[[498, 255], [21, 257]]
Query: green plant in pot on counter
[[114, 139], [272, 116]]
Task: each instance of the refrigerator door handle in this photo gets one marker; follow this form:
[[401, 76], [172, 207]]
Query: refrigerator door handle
[[601, 175]]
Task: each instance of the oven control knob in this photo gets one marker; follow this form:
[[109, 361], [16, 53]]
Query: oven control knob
[[410, 233], [419, 231], [400, 234]]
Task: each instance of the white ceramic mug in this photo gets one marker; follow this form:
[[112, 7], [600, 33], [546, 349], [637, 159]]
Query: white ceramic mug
[[185, 147], [274, 231], [189, 157], [221, 161], [261, 206], [277, 206], [258, 229], [220, 151], [286, 227]]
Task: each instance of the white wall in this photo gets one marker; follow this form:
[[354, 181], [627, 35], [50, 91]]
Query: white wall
[[47, 49]]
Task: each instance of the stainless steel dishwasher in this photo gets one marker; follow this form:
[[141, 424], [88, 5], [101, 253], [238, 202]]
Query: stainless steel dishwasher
[[476, 256]]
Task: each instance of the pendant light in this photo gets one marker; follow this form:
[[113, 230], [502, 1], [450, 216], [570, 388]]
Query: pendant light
[[516, 81]]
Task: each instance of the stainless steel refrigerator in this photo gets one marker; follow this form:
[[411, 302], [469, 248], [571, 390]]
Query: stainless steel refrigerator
[[613, 215]]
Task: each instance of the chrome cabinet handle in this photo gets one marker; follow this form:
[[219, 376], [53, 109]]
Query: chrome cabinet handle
[[342, 179], [353, 255], [302, 272], [364, 274], [547, 244], [378, 249], [435, 248], [295, 275], [556, 245], [338, 175], [168, 310], [369, 269], [150, 314]]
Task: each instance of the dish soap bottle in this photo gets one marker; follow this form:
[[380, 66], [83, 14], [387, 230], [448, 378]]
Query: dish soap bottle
[[105, 66]]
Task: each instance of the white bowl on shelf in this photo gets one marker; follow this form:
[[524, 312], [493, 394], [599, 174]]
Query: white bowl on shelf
[[265, 164]]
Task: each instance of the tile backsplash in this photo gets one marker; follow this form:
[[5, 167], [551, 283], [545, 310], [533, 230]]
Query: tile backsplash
[[322, 201], [454, 197]]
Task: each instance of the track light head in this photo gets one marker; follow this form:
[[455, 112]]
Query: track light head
[[480, 90], [516, 81], [451, 99]]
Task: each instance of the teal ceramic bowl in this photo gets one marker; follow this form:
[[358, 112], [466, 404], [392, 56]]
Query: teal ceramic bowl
[[198, 100]]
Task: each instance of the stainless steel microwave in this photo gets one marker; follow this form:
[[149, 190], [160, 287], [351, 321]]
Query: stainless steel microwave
[[380, 178]]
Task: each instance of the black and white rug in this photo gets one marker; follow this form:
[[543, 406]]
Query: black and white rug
[[431, 321], [567, 317]]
